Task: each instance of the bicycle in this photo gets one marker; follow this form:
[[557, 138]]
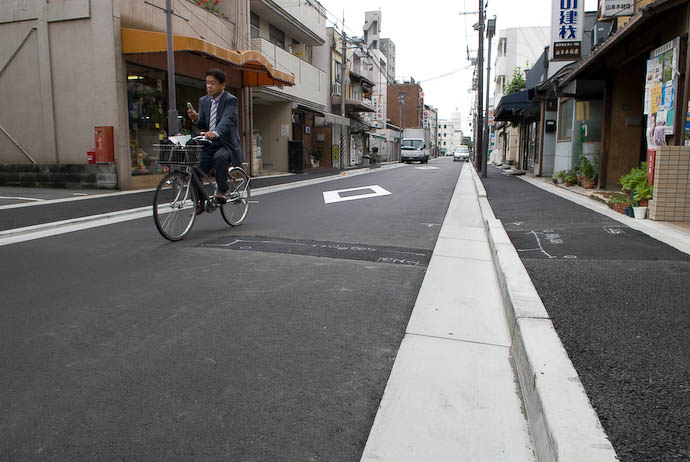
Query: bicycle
[[176, 198]]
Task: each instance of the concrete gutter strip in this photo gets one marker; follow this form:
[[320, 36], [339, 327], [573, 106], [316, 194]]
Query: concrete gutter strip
[[562, 421]]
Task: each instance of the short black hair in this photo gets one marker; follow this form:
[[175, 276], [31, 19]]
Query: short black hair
[[216, 74]]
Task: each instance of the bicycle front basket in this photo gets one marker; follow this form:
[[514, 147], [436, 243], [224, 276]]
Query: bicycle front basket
[[173, 154]]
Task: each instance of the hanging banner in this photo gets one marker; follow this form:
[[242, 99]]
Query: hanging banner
[[660, 92], [567, 24]]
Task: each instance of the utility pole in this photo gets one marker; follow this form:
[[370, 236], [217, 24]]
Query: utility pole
[[172, 103], [480, 90], [342, 93], [490, 31]]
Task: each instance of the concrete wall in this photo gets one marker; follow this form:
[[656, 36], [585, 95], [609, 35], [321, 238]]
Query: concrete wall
[[311, 83], [61, 82], [267, 121]]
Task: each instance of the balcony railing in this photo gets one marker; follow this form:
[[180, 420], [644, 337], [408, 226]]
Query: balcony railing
[[311, 83]]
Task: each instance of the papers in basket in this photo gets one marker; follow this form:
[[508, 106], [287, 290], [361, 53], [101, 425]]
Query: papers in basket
[[180, 140]]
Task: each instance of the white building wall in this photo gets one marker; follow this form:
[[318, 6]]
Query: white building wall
[[523, 46]]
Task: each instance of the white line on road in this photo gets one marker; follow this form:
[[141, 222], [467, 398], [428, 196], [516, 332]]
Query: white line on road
[[27, 233], [32, 199]]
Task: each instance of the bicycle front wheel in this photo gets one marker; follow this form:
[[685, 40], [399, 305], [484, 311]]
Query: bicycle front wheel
[[174, 206], [235, 210]]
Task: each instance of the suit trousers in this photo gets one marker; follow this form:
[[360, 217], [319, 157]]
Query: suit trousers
[[216, 156]]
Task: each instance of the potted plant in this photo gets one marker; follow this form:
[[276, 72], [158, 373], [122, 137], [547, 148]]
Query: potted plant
[[570, 179], [618, 203], [589, 172], [560, 176], [643, 192], [634, 177], [316, 155]]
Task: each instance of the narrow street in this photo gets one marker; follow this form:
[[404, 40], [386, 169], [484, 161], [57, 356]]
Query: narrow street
[[270, 341], [618, 299]]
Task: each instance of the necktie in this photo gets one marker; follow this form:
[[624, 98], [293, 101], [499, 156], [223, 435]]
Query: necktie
[[212, 121]]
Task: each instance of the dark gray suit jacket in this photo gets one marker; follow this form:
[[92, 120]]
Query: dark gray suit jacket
[[226, 124]]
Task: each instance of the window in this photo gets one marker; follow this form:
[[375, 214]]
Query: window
[[255, 25], [276, 36], [565, 119]]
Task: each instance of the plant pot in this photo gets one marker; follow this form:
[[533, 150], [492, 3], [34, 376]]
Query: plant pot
[[587, 183], [560, 180], [569, 183], [640, 213], [580, 179], [620, 208], [628, 211]]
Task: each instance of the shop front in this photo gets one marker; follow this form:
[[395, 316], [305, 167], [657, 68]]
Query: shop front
[[147, 102]]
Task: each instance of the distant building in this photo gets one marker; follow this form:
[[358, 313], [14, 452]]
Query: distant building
[[450, 133]]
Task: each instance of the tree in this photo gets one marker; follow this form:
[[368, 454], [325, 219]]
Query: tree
[[516, 84]]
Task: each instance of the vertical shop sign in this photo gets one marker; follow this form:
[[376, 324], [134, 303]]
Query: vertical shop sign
[[567, 22], [660, 92]]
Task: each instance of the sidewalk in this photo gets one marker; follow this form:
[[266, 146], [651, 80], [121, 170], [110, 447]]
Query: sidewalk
[[481, 374], [675, 234]]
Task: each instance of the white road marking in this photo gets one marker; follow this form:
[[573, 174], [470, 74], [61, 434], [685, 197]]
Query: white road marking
[[427, 168], [330, 197], [28, 233], [32, 199]]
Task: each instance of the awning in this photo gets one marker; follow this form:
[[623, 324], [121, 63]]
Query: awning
[[510, 106], [376, 135], [256, 69], [336, 119]]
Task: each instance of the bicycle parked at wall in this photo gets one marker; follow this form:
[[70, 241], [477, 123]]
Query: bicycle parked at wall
[[176, 198]]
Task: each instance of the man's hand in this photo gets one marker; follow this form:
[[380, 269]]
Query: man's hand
[[210, 135], [193, 115]]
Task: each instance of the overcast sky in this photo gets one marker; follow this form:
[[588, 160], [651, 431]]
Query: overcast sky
[[431, 39]]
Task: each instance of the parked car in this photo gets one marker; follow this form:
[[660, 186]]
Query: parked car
[[461, 153]]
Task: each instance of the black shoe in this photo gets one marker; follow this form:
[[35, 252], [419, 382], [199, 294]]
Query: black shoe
[[220, 198]]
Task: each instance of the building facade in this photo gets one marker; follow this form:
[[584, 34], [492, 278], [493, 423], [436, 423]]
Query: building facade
[[116, 51]]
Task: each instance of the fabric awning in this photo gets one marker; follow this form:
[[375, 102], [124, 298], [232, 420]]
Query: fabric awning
[[376, 135], [256, 69], [510, 106]]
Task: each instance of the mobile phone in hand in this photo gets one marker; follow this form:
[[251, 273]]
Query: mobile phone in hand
[[189, 106]]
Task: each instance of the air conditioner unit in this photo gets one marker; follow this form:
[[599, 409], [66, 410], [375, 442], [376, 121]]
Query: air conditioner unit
[[600, 32], [337, 89]]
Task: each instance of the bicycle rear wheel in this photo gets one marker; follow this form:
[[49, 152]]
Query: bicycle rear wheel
[[235, 210], [174, 206]]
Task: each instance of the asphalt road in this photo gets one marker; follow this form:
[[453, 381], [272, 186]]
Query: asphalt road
[[619, 301], [268, 342]]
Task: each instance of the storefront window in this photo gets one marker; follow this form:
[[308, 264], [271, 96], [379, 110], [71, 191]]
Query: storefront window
[[565, 120], [147, 99]]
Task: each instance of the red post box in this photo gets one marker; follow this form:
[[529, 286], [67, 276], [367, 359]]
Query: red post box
[[651, 164], [91, 156], [105, 151]]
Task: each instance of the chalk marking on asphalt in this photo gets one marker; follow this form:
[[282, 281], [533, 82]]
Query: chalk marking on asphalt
[[18, 198], [431, 225], [28, 233], [536, 236]]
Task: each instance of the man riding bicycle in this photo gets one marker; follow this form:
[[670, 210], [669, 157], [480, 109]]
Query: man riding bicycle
[[217, 119]]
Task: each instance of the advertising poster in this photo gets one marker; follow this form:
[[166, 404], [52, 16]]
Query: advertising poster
[[660, 93]]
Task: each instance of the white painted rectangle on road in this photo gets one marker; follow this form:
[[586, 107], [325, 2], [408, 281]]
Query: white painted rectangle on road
[[342, 195]]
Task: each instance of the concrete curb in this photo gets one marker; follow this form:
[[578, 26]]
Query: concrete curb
[[562, 421]]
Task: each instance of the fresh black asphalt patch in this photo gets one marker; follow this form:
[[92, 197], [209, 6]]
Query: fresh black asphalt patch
[[364, 252]]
